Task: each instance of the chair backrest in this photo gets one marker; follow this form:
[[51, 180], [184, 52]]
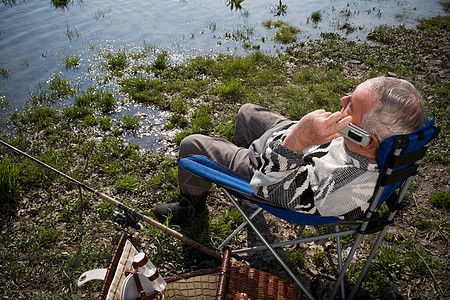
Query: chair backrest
[[399, 157]]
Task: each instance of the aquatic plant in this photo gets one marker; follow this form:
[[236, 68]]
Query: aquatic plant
[[316, 17], [161, 61], [71, 33], [60, 3], [72, 61], [129, 123], [348, 27], [272, 24], [117, 62], [279, 10], [286, 34], [212, 26], [4, 72], [235, 4], [9, 2], [3, 102], [61, 88]]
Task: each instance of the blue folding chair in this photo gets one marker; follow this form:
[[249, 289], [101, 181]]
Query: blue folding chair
[[398, 157]]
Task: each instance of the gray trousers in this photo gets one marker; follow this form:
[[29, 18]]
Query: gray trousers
[[254, 125]]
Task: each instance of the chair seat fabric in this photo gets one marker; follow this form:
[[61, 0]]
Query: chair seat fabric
[[207, 169]]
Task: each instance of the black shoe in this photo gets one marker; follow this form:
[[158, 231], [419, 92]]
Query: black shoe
[[182, 211]]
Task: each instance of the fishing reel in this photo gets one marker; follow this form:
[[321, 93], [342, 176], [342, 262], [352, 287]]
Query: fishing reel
[[124, 219]]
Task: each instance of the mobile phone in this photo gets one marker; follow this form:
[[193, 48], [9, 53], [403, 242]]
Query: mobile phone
[[356, 134]]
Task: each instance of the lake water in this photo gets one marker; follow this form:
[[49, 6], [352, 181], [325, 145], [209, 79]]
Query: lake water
[[35, 36]]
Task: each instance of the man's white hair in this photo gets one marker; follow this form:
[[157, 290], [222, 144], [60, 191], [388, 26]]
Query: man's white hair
[[398, 108]]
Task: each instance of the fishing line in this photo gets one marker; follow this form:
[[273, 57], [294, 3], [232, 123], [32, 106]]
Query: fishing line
[[132, 212]]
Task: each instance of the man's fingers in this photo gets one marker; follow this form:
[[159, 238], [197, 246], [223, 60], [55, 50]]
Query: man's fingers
[[337, 125], [334, 136], [334, 117], [342, 123]]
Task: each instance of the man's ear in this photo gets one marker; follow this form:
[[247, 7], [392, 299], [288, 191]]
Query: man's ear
[[373, 144]]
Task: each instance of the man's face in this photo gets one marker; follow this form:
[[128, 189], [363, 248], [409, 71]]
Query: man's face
[[358, 103]]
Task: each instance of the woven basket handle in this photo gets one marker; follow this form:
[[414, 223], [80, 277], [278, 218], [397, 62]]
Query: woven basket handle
[[224, 275], [141, 291]]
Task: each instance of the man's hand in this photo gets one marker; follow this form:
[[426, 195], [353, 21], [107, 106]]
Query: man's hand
[[315, 128]]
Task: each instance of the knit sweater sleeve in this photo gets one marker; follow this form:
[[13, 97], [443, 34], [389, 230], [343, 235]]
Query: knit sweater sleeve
[[282, 178]]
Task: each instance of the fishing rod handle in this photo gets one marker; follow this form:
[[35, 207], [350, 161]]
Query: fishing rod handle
[[160, 226]]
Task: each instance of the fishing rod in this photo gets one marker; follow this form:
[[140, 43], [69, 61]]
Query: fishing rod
[[132, 212]]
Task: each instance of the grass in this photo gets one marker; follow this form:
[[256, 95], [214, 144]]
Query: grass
[[129, 123], [161, 62], [286, 34], [116, 62], [316, 17], [3, 102], [61, 88], [440, 199], [272, 24], [4, 72], [72, 62], [55, 233], [9, 173], [60, 3]]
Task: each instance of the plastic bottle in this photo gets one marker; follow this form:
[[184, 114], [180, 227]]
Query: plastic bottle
[[143, 265]]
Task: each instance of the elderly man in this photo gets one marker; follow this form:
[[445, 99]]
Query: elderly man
[[305, 166]]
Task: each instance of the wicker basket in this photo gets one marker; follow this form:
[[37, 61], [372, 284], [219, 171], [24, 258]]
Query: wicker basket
[[217, 283]]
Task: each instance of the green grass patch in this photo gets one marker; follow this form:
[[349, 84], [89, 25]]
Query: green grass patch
[[60, 3], [161, 62], [40, 117], [129, 123], [128, 182], [316, 17], [294, 258], [417, 258], [47, 236], [274, 24], [4, 73], [105, 123], [440, 199], [231, 90], [61, 88], [9, 173], [145, 90], [117, 62], [435, 24], [72, 62], [446, 6], [286, 34]]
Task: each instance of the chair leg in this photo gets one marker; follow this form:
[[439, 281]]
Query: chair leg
[[228, 239], [339, 252], [277, 257], [340, 278], [366, 266]]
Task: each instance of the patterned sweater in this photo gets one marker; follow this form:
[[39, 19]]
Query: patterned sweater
[[326, 180]]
